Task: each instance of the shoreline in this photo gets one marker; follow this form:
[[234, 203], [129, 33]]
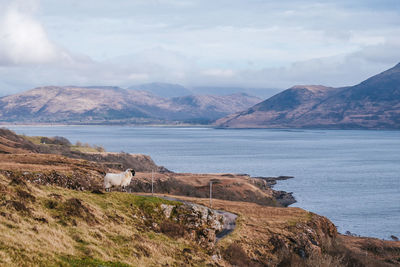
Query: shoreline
[[107, 124], [273, 181], [188, 125]]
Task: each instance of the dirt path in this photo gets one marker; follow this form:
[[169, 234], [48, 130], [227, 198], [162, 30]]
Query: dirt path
[[229, 223]]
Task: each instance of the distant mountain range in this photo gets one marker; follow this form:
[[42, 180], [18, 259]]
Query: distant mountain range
[[99, 104], [166, 90], [372, 104], [169, 90]]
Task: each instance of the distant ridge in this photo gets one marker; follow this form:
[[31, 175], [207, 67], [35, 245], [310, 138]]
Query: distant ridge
[[166, 90], [114, 105], [170, 90], [372, 104]]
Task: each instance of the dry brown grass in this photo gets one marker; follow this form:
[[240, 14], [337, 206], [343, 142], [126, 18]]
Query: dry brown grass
[[79, 226], [43, 162], [267, 234], [275, 236], [48, 225], [370, 251], [225, 186], [67, 227], [11, 143]]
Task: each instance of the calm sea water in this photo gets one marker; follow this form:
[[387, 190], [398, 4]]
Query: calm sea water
[[352, 177]]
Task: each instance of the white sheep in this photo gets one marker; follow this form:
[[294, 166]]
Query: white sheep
[[122, 179]]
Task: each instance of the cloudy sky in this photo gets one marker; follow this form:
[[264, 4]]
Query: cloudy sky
[[249, 43]]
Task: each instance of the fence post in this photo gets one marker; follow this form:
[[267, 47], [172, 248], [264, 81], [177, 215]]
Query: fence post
[[152, 182], [210, 194]]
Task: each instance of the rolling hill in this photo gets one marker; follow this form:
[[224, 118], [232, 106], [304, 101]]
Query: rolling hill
[[71, 104]]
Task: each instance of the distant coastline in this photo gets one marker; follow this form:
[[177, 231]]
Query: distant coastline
[[186, 125], [5, 124]]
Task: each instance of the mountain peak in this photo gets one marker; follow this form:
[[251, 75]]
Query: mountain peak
[[395, 69], [372, 104]]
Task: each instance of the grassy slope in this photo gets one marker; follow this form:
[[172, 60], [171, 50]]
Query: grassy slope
[[48, 226], [85, 148], [278, 236], [53, 226]]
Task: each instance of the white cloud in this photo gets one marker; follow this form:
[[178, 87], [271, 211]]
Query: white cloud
[[23, 40], [340, 70], [195, 42]]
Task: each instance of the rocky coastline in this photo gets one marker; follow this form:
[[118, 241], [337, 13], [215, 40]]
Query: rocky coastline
[[52, 194]]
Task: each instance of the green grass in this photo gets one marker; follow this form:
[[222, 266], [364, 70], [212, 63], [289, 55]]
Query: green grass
[[33, 139], [115, 204], [85, 149], [78, 262], [81, 228], [292, 222], [149, 204]]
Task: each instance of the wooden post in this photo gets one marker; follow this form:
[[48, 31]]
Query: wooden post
[[210, 194], [152, 182]]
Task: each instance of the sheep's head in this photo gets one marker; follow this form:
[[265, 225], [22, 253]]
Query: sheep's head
[[132, 171]]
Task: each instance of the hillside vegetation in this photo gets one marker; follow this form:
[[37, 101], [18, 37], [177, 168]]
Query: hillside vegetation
[[54, 212], [47, 226]]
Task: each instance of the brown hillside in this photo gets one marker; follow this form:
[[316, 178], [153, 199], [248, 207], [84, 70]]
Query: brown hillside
[[372, 104], [60, 160], [53, 212]]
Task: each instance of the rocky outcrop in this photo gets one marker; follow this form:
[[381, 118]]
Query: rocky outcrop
[[271, 236], [305, 243], [284, 198], [200, 223]]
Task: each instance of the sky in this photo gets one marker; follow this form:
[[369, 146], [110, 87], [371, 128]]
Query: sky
[[240, 43]]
